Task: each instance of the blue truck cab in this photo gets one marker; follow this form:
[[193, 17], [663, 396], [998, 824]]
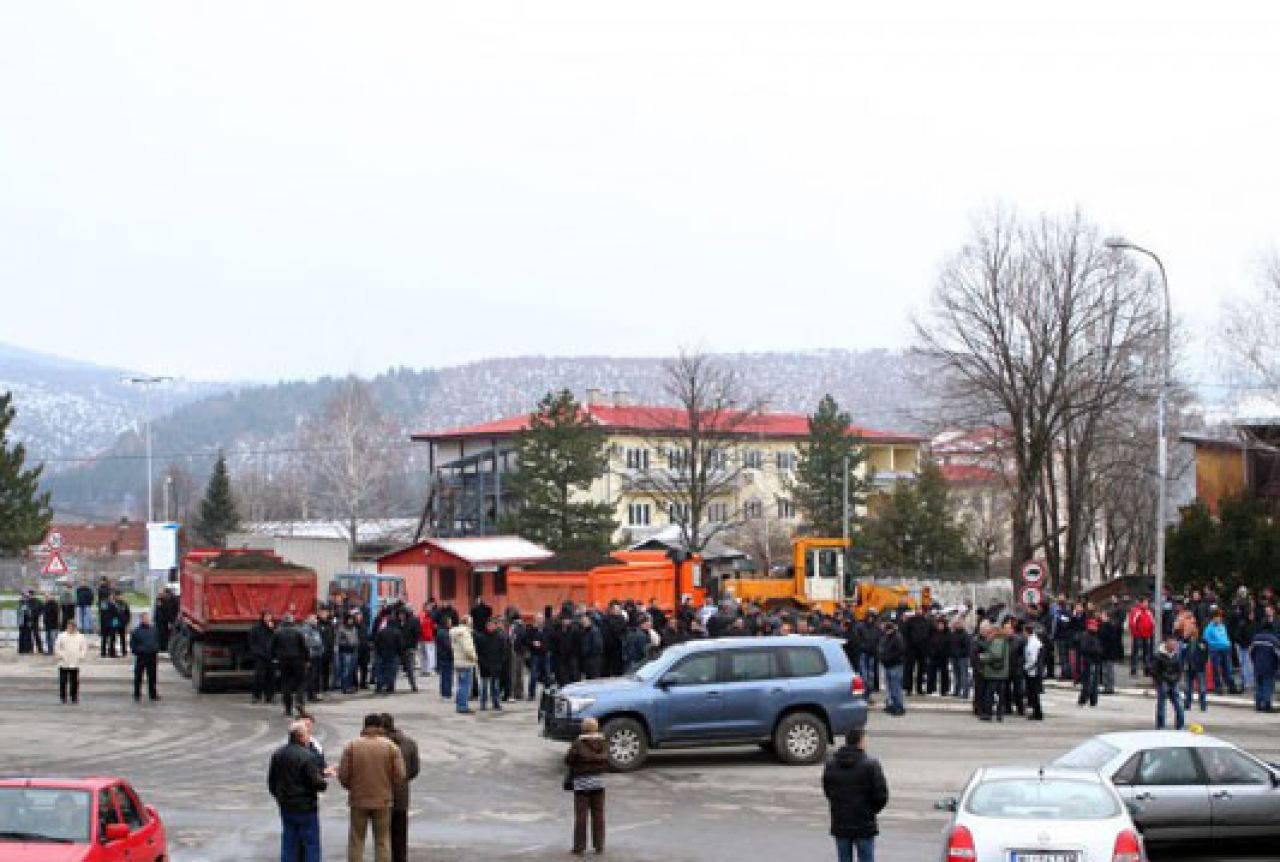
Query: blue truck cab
[[793, 694]]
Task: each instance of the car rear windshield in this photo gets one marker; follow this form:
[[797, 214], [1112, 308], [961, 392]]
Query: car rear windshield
[[43, 814], [1042, 799], [1090, 754]]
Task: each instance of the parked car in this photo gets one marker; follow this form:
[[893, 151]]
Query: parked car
[[794, 694], [88, 820], [1038, 814], [1186, 785]]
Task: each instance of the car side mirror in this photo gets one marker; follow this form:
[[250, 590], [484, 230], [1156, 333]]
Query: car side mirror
[[670, 679], [950, 804], [151, 813], [1135, 810], [117, 832]]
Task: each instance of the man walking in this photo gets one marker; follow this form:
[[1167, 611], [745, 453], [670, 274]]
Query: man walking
[[1166, 670], [370, 769], [400, 802], [856, 791], [295, 779], [145, 645]]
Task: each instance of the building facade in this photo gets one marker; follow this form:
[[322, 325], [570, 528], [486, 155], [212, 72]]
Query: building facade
[[468, 493]]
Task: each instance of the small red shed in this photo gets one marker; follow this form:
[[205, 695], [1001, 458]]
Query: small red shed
[[459, 571]]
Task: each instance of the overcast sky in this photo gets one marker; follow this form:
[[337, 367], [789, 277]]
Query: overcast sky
[[263, 190]]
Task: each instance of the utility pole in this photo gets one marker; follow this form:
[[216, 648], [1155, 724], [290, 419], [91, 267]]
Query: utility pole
[[146, 382]]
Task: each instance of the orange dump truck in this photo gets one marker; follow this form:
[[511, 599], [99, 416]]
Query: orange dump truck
[[637, 575]]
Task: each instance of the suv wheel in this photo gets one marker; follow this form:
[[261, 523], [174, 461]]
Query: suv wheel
[[628, 746], [800, 738]]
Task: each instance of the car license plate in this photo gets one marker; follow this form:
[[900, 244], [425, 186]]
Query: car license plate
[[1043, 856]]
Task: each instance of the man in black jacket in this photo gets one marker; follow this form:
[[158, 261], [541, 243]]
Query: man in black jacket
[[295, 779], [400, 791], [289, 648], [388, 644], [260, 635], [1089, 650], [145, 644], [915, 633], [856, 791], [410, 634], [893, 651]]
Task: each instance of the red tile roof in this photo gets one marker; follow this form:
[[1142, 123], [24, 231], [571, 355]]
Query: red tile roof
[[970, 474], [666, 419]]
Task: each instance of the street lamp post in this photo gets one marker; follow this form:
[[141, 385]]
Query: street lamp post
[[146, 382], [1162, 443]]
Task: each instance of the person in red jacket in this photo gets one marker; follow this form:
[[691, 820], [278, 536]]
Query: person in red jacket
[[427, 643], [1142, 628]]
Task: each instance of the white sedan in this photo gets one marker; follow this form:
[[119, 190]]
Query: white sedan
[[1039, 814]]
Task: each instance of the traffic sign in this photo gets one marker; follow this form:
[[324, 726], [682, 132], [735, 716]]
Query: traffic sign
[[55, 565], [1034, 573], [54, 542], [1031, 596]]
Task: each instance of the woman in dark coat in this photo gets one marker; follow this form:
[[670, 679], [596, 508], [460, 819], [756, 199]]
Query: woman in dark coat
[[856, 792], [587, 759]]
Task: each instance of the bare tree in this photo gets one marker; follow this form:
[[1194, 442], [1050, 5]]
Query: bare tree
[[698, 461], [1038, 328], [766, 540], [353, 452], [1250, 329]]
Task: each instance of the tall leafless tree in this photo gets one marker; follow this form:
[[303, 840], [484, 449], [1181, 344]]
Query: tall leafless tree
[[353, 450], [1037, 327], [698, 459], [1250, 336]]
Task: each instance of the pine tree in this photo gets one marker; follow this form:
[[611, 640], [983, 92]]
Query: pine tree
[[218, 515], [829, 455], [24, 510], [561, 453], [915, 529]]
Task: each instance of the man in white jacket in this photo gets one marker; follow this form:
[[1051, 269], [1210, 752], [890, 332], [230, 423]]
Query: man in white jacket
[[71, 649]]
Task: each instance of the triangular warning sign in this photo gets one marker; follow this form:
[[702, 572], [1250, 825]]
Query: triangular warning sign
[[56, 565]]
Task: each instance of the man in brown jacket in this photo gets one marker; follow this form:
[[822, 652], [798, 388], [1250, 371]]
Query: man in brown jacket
[[370, 769]]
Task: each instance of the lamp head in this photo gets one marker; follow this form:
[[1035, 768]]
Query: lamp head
[[1117, 242]]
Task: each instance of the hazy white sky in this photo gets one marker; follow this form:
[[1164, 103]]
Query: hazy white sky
[[256, 190]]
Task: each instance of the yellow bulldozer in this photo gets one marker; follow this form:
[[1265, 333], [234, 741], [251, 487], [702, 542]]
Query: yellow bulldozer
[[816, 580]]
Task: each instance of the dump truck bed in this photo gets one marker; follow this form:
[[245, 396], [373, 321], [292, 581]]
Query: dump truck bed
[[229, 599]]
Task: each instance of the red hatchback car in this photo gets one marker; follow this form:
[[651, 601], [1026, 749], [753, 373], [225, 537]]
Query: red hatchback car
[[77, 820]]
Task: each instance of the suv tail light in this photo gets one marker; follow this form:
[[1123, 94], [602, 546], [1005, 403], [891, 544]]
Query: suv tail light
[[858, 688], [960, 846], [1128, 847]]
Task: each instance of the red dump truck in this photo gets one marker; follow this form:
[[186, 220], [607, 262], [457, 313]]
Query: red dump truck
[[223, 595]]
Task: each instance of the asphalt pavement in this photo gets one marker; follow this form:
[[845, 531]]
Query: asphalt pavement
[[490, 786]]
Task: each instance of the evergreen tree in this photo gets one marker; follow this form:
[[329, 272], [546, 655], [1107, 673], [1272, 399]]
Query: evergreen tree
[[24, 510], [829, 455], [218, 515], [915, 529], [561, 453], [1240, 547]]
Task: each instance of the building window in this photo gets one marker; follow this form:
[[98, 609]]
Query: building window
[[786, 509], [448, 584], [753, 459], [679, 513], [719, 459], [678, 459], [637, 458], [717, 513], [753, 509], [638, 514], [786, 460]]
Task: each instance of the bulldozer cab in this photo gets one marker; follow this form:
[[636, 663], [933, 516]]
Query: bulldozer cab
[[820, 571]]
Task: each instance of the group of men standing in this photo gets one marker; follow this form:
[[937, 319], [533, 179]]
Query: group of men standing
[[376, 769]]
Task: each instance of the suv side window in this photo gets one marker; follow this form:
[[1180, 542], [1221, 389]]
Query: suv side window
[[751, 665], [700, 669], [1226, 766], [806, 661]]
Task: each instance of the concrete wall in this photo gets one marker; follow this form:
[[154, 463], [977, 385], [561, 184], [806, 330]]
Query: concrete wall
[[327, 557]]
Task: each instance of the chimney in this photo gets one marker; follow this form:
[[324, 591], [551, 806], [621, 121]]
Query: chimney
[[595, 397], [621, 398]]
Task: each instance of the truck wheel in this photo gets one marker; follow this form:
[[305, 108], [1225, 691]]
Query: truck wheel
[[197, 667], [800, 737], [180, 653], [628, 745]]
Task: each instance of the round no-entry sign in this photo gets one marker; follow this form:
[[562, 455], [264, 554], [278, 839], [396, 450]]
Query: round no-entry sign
[[1034, 573], [1031, 596]]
